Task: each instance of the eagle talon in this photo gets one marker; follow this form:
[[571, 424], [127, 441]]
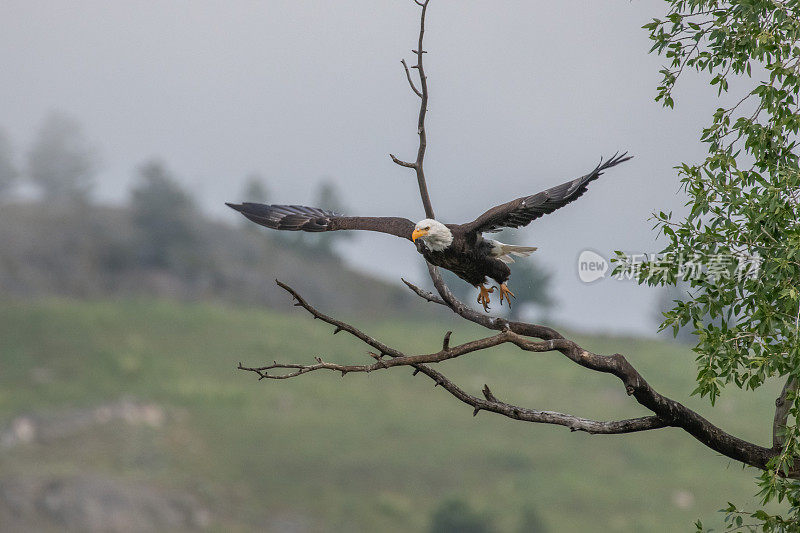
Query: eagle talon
[[506, 292], [483, 296]]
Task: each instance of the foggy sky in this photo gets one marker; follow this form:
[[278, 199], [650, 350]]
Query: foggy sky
[[524, 95]]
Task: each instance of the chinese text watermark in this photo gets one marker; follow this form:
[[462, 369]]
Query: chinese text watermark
[[592, 266]]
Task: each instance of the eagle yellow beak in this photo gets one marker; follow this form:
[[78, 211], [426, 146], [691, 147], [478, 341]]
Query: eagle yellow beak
[[417, 234]]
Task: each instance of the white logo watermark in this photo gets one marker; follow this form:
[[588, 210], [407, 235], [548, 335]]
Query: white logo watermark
[[591, 266]]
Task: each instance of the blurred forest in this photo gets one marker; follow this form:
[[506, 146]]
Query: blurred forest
[[121, 408], [57, 241]]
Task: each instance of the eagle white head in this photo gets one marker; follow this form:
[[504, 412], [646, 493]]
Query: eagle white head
[[433, 234]]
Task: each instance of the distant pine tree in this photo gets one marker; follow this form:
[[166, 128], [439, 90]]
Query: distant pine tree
[[328, 197], [60, 162], [531, 283], [164, 213], [255, 190]]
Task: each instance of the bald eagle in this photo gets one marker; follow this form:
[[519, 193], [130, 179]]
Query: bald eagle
[[460, 248]]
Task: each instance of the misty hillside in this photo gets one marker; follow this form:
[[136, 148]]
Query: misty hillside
[[132, 416], [94, 252]]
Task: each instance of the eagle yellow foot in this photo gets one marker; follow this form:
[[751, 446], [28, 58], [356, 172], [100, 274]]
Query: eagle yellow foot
[[506, 292], [483, 296]]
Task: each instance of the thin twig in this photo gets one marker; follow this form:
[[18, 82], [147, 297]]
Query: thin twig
[[410, 81], [401, 162], [340, 326]]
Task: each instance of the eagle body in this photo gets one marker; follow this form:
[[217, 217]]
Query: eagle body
[[470, 257], [460, 248]]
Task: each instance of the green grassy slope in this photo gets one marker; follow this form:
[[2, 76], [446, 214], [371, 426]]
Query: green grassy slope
[[371, 452]]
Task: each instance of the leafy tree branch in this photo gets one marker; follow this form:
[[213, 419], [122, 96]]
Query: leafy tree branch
[[743, 200]]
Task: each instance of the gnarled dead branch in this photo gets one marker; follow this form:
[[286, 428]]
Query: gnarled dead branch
[[418, 362]]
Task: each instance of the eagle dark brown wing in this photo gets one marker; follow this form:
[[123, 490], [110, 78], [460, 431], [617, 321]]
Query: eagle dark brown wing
[[523, 211], [302, 218]]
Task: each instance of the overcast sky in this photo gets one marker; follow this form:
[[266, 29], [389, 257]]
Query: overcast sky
[[524, 95]]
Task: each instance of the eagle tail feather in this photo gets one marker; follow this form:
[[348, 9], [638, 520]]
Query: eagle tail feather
[[505, 252]]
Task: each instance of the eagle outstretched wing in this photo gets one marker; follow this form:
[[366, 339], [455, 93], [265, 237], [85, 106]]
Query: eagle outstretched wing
[[302, 218], [523, 211]]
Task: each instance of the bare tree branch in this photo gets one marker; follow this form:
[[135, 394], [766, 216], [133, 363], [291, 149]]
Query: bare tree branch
[[427, 295], [497, 323], [340, 326], [410, 81], [422, 92], [423, 110], [490, 403], [672, 412], [574, 423], [667, 412], [402, 163]]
